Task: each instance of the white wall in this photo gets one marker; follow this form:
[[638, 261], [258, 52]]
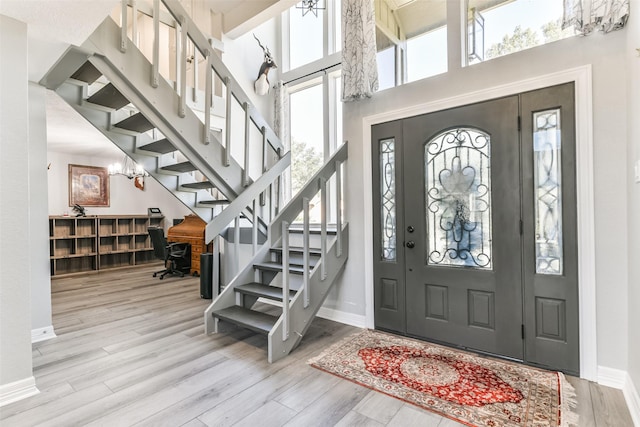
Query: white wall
[[41, 324], [633, 194], [15, 240], [125, 198], [607, 56]]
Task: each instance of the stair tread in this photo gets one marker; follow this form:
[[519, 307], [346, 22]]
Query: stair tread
[[87, 73], [136, 123], [262, 290], [295, 228], [214, 202], [298, 249], [250, 319], [161, 146], [110, 97], [180, 167], [203, 185], [277, 266]]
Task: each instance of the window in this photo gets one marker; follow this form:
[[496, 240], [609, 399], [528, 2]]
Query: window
[[386, 68], [306, 37], [307, 134], [512, 26], [427, 55], [314, 87]]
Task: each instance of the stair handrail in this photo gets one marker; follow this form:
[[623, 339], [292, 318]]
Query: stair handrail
[[280, 226], [246, 198]]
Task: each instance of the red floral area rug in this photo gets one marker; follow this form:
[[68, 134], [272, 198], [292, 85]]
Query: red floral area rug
[[465, 387]]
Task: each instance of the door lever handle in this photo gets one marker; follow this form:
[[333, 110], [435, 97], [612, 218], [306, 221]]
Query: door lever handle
[[411, 244]]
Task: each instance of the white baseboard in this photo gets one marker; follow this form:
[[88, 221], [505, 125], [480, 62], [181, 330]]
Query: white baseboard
[[611, 377], [42, 334], [17, 390], [357, 320], [633, 400]]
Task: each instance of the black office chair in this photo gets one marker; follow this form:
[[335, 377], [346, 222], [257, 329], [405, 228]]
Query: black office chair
[[176, 256]]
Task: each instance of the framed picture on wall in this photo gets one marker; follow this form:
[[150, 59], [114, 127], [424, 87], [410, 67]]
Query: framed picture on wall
[[88, 186]]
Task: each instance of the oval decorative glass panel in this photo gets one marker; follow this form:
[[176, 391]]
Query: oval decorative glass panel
[[458, 198]]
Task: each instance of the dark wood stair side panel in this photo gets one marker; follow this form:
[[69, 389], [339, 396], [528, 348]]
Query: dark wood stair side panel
[[263, 291], [110, 97], [180, 167], [257, 321], [136, 123], [88, 73], [161, 146]]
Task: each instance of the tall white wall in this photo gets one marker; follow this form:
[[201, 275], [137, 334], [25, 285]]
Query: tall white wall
[[606, 54], [633, 159], [15, 240], [39, 269], [125, 198]]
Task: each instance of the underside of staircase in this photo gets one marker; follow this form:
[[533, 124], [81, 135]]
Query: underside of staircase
[[116, 88]]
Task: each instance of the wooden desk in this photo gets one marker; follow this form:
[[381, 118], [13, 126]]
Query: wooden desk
[[191, 230]]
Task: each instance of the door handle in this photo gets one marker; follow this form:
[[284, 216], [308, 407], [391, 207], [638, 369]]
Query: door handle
[[411, 244]]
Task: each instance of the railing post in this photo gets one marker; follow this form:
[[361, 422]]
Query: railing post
[[176, 84], [305, 252], [254, 229], [182, 107], [216, 266], [247, 122], [155, 73], [338, 209], [195, 73], [263, 131], [236, 246], [208, 98], [227, 130], [323, 228], [285, 280], [123, 26], [134, 22], [278, 188]]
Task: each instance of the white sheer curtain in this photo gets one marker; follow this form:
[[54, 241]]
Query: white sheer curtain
[[359, 68], [591, 15], [281, 128]]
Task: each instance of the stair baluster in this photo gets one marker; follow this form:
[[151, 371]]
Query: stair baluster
[[155, 72], [323, 227], [305, 252], [285, 281]]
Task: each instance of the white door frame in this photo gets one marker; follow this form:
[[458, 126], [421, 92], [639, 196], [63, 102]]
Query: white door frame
[[581, 76]]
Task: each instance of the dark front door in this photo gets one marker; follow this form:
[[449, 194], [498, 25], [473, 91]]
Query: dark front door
[[457, 260]]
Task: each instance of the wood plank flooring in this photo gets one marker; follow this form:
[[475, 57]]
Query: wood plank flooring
[[131, 351]]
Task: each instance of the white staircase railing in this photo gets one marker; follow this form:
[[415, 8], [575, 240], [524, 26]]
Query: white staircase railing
[[183, 66]]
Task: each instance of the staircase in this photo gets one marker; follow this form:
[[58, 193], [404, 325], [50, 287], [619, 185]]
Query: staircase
[[296, 268], [184, 138]]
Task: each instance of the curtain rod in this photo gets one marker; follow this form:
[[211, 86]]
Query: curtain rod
[[312, 73]]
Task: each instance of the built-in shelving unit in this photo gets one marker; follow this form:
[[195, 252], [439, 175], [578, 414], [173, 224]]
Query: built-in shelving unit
[[82, 244]]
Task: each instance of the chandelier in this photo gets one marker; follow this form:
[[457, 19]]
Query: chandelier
[[310, 6], [128, 168]]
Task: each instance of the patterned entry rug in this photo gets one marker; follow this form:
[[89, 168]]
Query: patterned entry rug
[[470, 389]]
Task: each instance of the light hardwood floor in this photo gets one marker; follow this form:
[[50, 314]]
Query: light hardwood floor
[[131, 351]]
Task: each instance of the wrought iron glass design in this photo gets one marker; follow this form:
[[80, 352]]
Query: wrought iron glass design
[[458, 199], [388, 199], [548, 191]]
